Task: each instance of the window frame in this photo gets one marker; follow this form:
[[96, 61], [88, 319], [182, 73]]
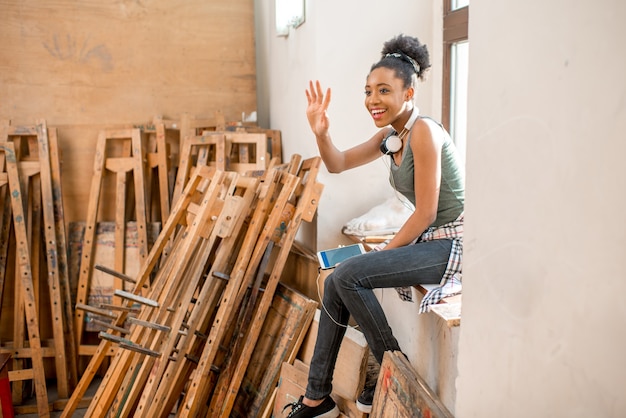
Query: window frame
[[455, 29]]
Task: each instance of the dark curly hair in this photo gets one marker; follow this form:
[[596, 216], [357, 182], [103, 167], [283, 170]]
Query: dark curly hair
[[406, 55]]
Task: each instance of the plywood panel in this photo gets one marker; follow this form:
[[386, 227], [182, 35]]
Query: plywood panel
[[125, 61], [91, 64]]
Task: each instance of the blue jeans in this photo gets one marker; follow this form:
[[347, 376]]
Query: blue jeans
[[348, 290]]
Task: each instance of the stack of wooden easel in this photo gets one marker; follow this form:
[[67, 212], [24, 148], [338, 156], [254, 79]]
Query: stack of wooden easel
[[197, 320], [209, 283], [190, 344]]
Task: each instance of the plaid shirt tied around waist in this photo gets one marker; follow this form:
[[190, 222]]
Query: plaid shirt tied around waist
[[451, 281]]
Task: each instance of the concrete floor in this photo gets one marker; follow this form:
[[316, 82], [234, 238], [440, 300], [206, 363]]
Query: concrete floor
[[52, 396]]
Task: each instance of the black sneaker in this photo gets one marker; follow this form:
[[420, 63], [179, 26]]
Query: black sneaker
[[365, 399], [327, 409]]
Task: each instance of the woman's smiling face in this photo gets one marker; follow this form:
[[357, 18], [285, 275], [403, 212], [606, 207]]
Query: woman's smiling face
[[385, 96]]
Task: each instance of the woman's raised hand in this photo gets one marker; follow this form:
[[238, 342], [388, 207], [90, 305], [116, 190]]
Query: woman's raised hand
[[316, 109]]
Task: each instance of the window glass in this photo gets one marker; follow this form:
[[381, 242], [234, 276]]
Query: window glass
[[457, 4], [289, 13], [458, 94]]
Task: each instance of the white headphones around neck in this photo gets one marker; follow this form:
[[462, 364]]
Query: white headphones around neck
[[393, 142]]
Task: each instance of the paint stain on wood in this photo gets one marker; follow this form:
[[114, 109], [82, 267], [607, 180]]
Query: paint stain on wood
[[69, 48]]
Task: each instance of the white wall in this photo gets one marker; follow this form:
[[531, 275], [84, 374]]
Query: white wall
[[543, 323], [544, 320]]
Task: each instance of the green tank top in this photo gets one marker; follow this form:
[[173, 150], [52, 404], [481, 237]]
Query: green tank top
[[452, 190]]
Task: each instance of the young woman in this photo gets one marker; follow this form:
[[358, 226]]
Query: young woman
[[424, 167]]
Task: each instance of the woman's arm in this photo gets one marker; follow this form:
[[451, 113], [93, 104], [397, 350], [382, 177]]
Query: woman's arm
[[335, 160], [426, 148]]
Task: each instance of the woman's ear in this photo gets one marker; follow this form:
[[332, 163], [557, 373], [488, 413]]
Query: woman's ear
[[409, 94]]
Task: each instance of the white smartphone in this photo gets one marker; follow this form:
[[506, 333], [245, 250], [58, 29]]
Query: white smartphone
[[328, 259]]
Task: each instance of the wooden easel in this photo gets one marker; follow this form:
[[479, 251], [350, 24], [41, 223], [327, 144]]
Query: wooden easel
[[246, 148], [130, 161], [194, 126], [39, 175], [274, 139], [247, 151], [25, 300], [239, 152]]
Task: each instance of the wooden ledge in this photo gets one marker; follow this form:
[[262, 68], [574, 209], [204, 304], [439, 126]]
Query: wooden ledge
[[448, 309]]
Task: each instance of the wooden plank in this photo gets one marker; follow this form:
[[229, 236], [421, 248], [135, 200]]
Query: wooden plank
[[236, 345], [448, 309], [28, 168], [162, 167], [28, 409], [130, 392], [149, 324], [112, 272], [88, 246], [292, 384], [136, 298], [92, 350], [71, 353], [94, 310], [128, 344], [449, 312], [110, 326], [140, 196], [26, 352], [22, 374], [52, 258], [400, 391], [60, 404], [5, 225]]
